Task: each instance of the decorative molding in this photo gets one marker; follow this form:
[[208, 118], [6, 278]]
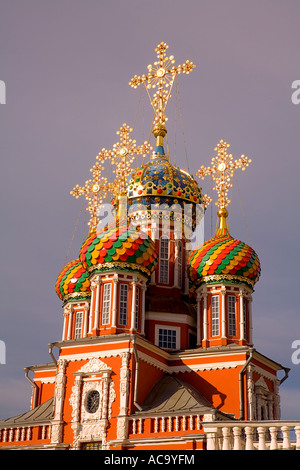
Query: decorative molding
[[94, 366], [91, 426]]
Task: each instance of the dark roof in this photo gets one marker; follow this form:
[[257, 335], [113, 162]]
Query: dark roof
[[41, 414], [172, 395], [156, 303]]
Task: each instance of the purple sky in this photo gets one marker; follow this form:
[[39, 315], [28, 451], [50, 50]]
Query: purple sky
[[66, 66]]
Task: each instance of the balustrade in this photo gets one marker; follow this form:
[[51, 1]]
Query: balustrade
[[252, 435]]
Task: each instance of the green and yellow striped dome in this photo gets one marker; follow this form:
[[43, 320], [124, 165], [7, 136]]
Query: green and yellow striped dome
[[73, 282], [223, 258], [119, 246]]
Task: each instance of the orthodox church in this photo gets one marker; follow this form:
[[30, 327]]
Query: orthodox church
[[156, 350]]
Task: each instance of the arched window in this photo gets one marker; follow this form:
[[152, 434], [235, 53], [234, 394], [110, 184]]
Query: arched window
[[123, 304], [215, 316], [164, 260], [106, 303], [231, 315], [78, 324]]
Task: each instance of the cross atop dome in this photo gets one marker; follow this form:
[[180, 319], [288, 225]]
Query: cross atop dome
[[222, 170], [161, 75], [94, 191], [122, 155]]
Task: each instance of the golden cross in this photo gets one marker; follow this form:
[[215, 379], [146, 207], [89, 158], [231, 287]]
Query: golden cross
[[94, 191], [161, 75], [122, 155], [222, 170]]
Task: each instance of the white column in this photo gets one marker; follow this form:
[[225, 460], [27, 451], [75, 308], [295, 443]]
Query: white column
[[273, 432], [250, 319], [77, 401], [70, 322], [249, 438], [93, 290], [60, 382], [237, 442], [286, 437], [114, 307], [242, 319], [64, 325], [133, 304], [261, 438], [205, 321], [223, 324], [85, 326], [212, 435], [226, 432], [297, 432]]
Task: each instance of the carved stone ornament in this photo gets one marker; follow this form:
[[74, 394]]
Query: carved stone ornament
[[94, 366], [90, 425]]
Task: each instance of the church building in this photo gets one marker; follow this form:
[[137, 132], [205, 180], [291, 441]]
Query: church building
[[156, 349]]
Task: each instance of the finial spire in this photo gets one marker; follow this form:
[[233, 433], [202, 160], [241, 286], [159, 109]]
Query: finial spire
[[161, 75], [222, 170]]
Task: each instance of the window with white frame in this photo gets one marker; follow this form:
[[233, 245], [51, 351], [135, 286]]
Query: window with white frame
[[167, 338], [123, 306], [137, 306], [231, 315], [164, 260], [215, 316], [78, 324], [106, 303]]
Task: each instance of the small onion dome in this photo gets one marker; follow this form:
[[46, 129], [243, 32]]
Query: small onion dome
[[119, 246], [223, 258], [73, 282]]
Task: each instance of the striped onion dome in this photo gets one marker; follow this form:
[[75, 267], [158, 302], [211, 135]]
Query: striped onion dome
[[223, 258], [73, 282], [119, 246]]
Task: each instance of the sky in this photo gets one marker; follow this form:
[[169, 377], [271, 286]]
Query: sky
[[66, 67]]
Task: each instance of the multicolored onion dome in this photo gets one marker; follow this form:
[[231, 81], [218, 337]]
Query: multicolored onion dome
[[119, 246], [159, 182], [223, 258], [159, 178], [73, 282]]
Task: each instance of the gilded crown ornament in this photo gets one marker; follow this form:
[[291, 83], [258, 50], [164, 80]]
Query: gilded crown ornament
[[161, 76]]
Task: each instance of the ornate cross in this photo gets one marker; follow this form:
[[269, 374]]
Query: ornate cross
[[161, 75], [122, 155], [94, 191], [222, 170]]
